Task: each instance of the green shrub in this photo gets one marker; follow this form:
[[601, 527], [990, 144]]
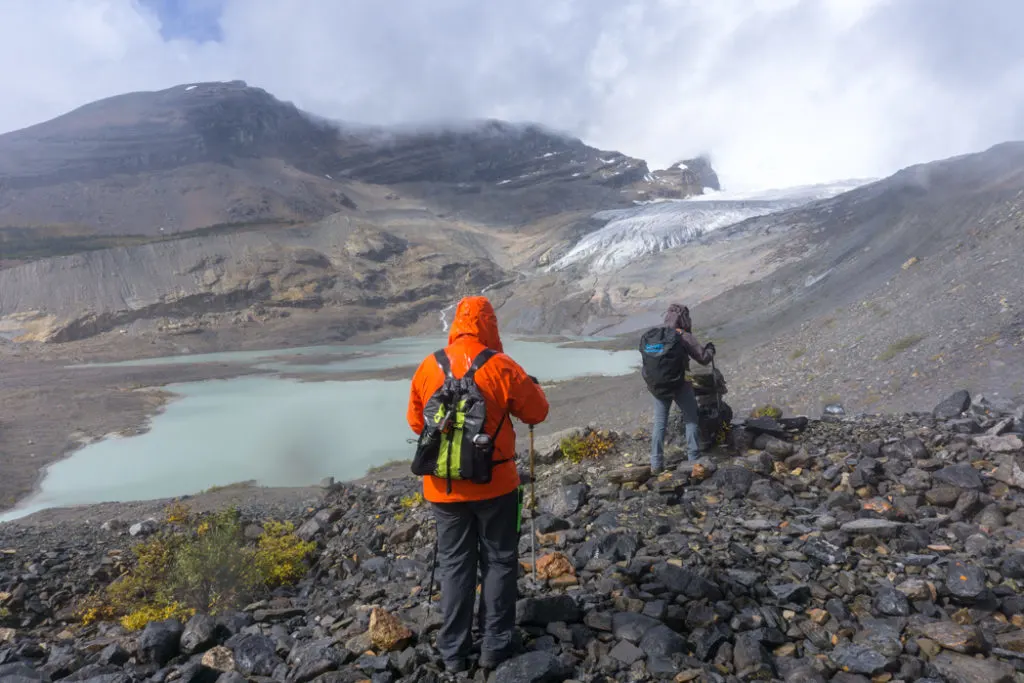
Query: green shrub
[[767, 410], [797, 353], [206, 564], [899, 346], [588, 446], [410, 501]]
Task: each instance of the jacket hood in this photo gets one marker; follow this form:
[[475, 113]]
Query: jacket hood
[[474, 317], [678, 317]]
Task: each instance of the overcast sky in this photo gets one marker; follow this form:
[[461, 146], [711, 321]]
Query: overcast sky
[[779, 92]]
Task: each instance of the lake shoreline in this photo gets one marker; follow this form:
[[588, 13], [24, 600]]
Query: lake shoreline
[[140, 396]]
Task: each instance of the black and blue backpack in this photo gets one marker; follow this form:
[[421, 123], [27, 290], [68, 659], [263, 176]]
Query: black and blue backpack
[[665, 361]]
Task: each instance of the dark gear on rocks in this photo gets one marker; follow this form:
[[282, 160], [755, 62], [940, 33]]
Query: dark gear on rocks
[[474, 491]]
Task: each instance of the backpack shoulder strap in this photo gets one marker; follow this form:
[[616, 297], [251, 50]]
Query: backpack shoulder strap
[[479, 361], [442, 359]]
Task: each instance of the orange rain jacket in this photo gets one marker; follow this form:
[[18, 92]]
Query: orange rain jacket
[[504, 386]]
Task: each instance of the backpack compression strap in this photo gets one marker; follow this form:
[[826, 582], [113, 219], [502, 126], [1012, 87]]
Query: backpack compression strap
[[442, 359], [478, 362]]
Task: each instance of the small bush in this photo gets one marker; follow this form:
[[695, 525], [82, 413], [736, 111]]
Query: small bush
[[588, 446], [137, 620], [207, 566], [797, 353], [178, 513], [767, 410], [281, 555], [411, 501], [899, 346]]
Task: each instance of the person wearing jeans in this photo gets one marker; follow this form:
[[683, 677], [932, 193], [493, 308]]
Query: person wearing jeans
[[678, 318], [686, 399]]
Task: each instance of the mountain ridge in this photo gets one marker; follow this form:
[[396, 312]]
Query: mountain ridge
[[195, 155]]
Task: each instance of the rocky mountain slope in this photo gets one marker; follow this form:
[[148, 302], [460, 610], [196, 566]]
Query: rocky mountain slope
[[878, 548], [876, 295], [180, 203], [206, 154]]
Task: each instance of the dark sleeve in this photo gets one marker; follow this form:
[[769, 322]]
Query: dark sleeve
[[696, 351]]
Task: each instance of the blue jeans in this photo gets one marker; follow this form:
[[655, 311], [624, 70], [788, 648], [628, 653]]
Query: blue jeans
[[687, 402]]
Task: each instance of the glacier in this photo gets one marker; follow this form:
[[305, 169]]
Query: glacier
[[653, 226]]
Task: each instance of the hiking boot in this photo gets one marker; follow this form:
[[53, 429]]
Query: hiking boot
[[656, 470]]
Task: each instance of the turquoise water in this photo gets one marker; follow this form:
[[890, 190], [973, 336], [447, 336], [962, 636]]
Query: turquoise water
[[275, 431]]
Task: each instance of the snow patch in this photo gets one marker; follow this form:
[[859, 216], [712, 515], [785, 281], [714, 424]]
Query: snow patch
[[191, 87], [812, 280], [658, 224]]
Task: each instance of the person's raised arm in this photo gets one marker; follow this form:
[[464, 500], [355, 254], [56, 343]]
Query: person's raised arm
[[526, 400], [701, 354]]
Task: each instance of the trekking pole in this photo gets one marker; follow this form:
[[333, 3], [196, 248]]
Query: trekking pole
[[714, 378], [533, 514], [433, 566]]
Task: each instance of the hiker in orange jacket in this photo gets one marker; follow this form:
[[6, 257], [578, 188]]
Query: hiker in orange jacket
[[476, 523]]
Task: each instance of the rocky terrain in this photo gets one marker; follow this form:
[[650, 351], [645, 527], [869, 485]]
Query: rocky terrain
[[847, 549]]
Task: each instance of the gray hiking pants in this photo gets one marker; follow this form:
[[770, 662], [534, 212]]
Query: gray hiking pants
[[686, 399], [479, 533]]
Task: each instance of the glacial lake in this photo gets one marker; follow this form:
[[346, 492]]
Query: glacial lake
[[278, 431]]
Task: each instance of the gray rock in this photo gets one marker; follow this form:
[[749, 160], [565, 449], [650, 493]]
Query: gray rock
[[953, 406], [685, 582], [143, 528], [734, 482], [315, 658], [791, 592], [1007, 443], [963, 476], [750, 658], [859, 659], [883, 528], [632, 626], [966, 639], [533, 667], [1013, 566], [823, 551], [309, 529], [626, 652], [891, 602], [565, 500], [957, 668], [255, 655], [661, 641], [965, 581], [160, 641], [201, 633], [543, 611]]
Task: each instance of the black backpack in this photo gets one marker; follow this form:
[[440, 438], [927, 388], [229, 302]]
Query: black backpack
[[453, 443], [665, 361]]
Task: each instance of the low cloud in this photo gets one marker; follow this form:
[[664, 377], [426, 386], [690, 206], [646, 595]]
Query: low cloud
[[779, 92]]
